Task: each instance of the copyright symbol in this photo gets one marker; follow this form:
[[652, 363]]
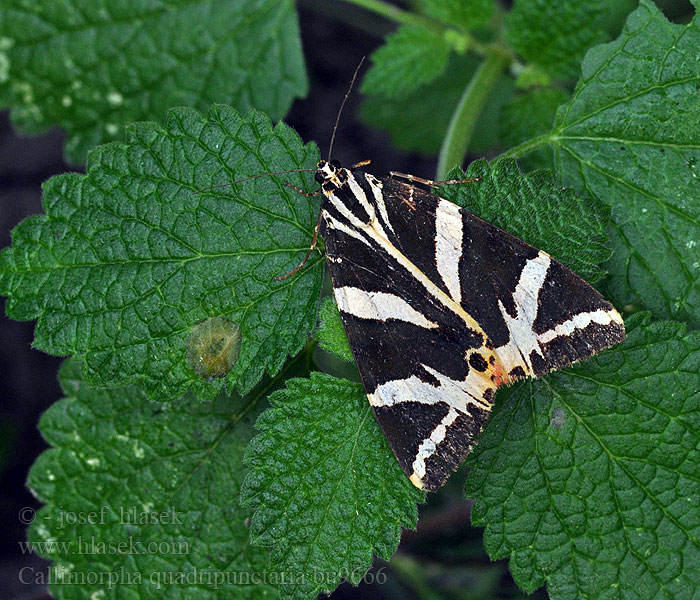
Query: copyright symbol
[[26, 515]]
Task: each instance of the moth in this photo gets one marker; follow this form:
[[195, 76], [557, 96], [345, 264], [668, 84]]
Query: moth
[[441, 308]]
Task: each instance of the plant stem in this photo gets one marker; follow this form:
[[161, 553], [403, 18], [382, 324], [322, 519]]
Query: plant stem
[[396, 14], [459, 38], [456, 142], [413, 574], [528, 146]]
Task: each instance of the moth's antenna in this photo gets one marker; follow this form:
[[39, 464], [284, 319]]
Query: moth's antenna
[[213, 187], [342, 104]]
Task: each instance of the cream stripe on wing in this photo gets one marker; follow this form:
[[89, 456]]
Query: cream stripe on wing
[[359, 193], [423, 279], [378, 193], [429, 445], [379, 306], [456, 394], [580, 321], [523, 339], [448, 246], [334, 223], [345, 212]]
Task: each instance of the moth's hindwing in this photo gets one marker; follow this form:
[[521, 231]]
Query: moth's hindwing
[[441, 308]]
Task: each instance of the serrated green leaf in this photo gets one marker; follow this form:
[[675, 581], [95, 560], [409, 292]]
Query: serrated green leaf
[[528, 115], [533, 208], [405, 117], [327, 490], [467, 14], [631, 137], [131, 258], [555, 34], [589, 479], [144, 497], [93, 68], [410, 58], [331, 332]]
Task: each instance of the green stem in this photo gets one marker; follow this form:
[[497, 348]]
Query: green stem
[[454, 146], [396, 14], [413, 574], [458, 38], [528, 146]]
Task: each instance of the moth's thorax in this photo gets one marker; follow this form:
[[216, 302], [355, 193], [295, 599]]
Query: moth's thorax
[[348, 195], [331, 175]]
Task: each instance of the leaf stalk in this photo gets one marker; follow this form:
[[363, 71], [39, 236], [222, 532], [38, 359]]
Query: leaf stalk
[[459, 133], [458, 38], [528, 146]]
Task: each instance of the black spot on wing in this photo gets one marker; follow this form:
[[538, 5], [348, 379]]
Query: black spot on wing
[[478, 362], [517, 373]]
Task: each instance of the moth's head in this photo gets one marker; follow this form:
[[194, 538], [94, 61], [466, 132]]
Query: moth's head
[[329, 172]]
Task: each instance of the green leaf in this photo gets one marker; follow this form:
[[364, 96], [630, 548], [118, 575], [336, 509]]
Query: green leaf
[[589, 478], [93, 68], [404, 117], [327, 490], [410, 58], [529, 115], [145, 497], [630, 136], [131, 259], [467, 14], [331, 332], [555, 35], [533, 208]]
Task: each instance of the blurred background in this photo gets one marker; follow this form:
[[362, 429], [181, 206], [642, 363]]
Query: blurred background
[[444, 558]]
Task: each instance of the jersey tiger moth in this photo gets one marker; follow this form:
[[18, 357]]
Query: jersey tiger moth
[[441, 308]]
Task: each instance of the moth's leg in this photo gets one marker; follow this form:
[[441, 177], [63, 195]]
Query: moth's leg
[[430, 182], [362, 163], [314, 239], [407, 199], [302, 192]]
